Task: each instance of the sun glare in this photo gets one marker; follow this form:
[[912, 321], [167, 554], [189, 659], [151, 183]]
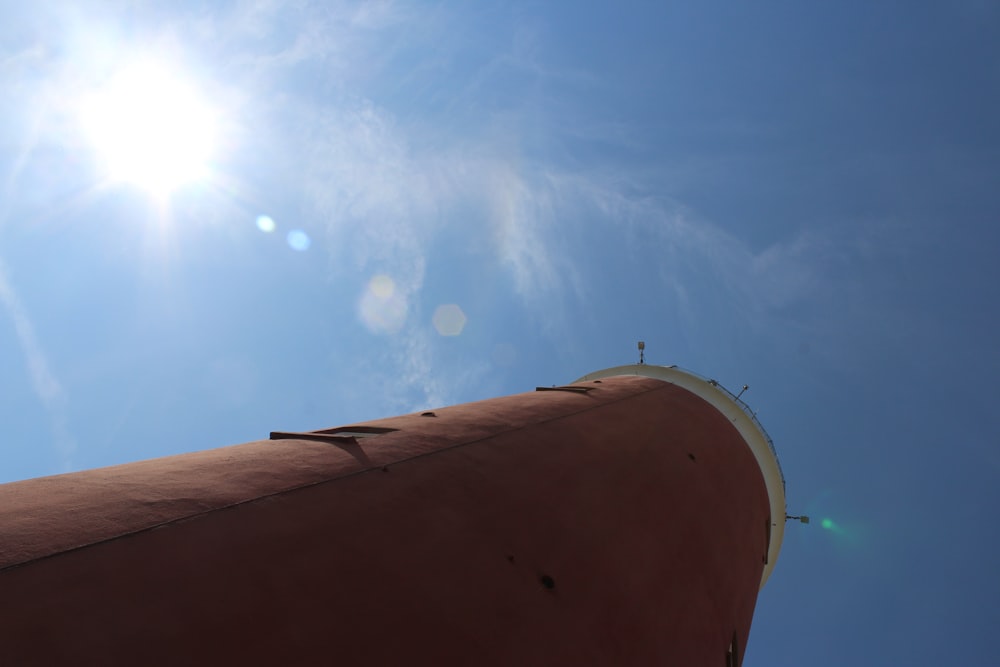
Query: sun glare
[[151, 128]]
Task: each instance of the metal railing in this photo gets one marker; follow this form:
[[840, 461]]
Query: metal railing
[[749, 413]]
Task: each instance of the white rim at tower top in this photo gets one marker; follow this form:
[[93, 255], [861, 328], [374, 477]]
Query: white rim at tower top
[[746, 424]]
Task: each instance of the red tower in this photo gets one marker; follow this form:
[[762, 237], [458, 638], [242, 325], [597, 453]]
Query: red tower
[[627, 518]]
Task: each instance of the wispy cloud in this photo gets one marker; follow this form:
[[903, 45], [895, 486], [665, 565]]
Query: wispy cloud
[[44, 383], [770, 278], [46, 387], [384, 182], [387, 188]]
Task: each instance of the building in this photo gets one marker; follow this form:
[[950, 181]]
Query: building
[[627, 518]]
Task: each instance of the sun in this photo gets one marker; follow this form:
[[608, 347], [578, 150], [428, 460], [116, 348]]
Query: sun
[[151, 128]]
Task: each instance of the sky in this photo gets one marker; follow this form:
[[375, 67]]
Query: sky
[[219, 219]]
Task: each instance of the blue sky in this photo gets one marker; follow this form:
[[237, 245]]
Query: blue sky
[[797, 196]]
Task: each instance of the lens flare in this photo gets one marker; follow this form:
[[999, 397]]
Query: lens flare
[[299, 240], [449, 320], [382, 286], [832, 526], [265, 224], [383, 306]]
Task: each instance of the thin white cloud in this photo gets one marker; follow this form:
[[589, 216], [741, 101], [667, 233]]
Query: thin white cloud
[[520, 212], [46, 387], [388, 189], [424, 381], [386, 185], [704, 278], [417, 372], [386, 198], [44, 383]]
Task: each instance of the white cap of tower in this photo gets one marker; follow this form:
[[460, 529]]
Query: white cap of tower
[[747, 426]]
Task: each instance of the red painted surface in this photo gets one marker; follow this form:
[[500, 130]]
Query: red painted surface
[[543, 528]]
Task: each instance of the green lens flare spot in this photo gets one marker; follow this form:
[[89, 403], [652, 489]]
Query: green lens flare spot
[[833, 527]]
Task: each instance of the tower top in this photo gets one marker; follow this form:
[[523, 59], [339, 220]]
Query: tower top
[[745, 422]]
